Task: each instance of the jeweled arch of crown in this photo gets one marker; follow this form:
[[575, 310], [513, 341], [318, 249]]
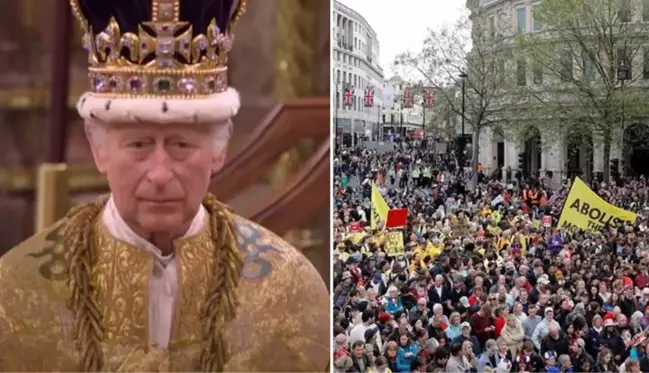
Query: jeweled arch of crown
[[163, 59]]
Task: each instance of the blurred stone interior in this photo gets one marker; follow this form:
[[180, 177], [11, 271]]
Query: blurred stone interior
[[281, 52]]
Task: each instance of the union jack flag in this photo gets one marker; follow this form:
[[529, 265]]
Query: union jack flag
[[429, 97], [349, 96], [369, 97], [408, 97]]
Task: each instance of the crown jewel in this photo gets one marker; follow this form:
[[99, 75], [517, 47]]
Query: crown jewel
[[153, 48]]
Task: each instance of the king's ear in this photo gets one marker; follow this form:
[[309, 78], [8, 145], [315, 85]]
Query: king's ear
[[218, 160], [97, 139]]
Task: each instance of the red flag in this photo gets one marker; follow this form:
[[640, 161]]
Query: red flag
[[355, 227], [397, 218]]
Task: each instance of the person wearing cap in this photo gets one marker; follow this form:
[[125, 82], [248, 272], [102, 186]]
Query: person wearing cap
[[611, 339], [371, 346], [541, 329], [343, 290], [551, 364], [377, 283], [159, 275], [466, 336]]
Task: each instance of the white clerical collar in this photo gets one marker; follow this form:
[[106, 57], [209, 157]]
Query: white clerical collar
[[119, 229]]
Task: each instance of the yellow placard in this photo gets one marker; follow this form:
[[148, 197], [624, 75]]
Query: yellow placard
[[356, 237], [584, 209], [394, 243], [380, 208]]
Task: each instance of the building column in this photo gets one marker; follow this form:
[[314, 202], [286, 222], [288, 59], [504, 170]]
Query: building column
[[617, 152], [553, 156], [598, 154], [485, 150], [512, 149]]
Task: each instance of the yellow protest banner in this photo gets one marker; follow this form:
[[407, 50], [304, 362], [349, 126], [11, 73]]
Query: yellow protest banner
[[394, 243], [379, 207], [584, 209]]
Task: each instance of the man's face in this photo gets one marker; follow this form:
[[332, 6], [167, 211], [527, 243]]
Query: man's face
[[158, 174], [358, 351], [549, 315]]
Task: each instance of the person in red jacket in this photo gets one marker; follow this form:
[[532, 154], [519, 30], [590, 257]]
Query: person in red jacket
[[501, 320], [642, 279]]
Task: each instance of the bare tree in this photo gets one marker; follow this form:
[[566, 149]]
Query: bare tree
[[577, 51], [466, 53]]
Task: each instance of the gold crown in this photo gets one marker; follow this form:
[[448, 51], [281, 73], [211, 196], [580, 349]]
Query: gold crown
[[163, 59]]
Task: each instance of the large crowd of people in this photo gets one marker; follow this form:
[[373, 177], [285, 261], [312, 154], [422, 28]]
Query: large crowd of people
[[484, 283]]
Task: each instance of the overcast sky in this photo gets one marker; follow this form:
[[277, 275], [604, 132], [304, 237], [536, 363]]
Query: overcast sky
[[402, 26]]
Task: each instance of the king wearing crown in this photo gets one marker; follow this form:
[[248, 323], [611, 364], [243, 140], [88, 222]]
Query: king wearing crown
[[159, 275]]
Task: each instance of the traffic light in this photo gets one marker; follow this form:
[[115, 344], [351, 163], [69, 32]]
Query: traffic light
[[459, 150], [521, 161]]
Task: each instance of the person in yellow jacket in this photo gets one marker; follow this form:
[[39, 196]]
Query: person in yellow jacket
[[486, 210], [426, 176], [493, 228], [420, 249], [496, 216], [435, 247], [504, 240]]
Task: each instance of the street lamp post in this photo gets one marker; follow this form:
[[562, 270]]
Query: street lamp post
[[339, 97], [379, 127], [423, 113], [622, 76], [463, 76]]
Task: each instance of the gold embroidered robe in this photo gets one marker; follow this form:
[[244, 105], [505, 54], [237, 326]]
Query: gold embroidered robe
[[282, 322]]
